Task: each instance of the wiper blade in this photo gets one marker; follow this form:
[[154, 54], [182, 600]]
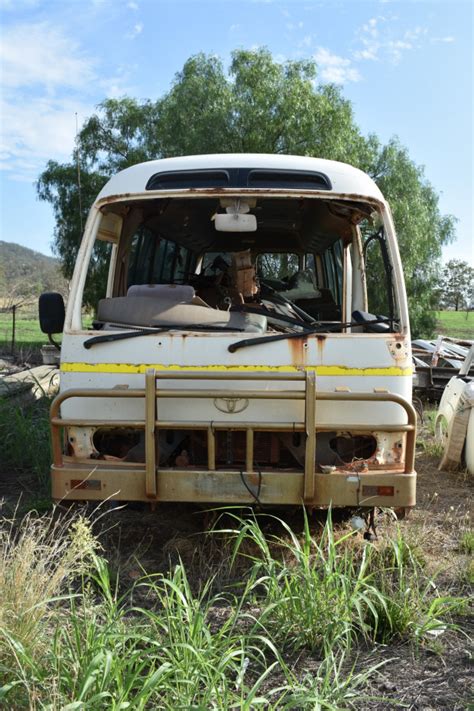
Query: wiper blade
[[108, 338], [271, 315], [301, 334]]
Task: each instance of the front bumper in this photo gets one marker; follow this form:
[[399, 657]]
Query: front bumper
[[100, 481], [97, 480]]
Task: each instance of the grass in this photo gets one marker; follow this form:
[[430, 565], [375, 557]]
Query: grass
[[26, 450], [70, 638], [426, 441], [327, 594], [37, 558], [466, 543], [28, 335], [456, 324]]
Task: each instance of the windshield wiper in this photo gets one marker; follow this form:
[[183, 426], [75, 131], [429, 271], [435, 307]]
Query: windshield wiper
[[272, 315], [301, 334], [108, 338]]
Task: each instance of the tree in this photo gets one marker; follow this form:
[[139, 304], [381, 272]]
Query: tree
[[457, 285], [260, 105]]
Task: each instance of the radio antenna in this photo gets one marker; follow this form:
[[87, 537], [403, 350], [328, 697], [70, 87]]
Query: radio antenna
[[78, 162]]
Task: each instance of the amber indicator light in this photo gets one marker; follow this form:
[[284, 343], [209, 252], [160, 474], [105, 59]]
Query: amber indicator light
[[385, 490]]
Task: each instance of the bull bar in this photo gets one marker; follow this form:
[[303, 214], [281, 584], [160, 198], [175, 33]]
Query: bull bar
[[152, 483]]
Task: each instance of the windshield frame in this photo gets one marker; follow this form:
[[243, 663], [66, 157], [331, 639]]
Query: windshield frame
[[73, 321]]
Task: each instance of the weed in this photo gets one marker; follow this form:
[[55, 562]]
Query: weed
[[321, 595], [180, 651], [466, 543], [466, 575], [73, 638], [413, 607]]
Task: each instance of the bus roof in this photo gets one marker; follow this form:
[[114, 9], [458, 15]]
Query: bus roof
[[343, 178]]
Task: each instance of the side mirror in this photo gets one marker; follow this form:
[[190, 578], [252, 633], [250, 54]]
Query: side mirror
[[51, 312]]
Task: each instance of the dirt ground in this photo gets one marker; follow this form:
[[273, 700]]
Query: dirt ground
[[433, 676]]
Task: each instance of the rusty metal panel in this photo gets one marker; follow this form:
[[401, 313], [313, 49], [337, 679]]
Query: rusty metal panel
[[347, 489], [283, 488]]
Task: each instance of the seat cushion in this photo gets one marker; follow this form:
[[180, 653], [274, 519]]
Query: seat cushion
[[171, 293], [144, 311]]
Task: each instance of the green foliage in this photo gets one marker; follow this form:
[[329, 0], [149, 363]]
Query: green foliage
[[58, 186], [260, 106], [421, 229]]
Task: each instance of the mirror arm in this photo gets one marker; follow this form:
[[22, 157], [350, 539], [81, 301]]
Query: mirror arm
[[53, 342]]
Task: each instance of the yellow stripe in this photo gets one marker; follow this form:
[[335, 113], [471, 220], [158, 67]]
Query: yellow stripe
[[318, 369]]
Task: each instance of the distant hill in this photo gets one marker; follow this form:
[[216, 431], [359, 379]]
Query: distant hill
[[24, 273]]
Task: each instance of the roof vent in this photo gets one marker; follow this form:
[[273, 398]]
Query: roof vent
[[291, 179], [185, 179]]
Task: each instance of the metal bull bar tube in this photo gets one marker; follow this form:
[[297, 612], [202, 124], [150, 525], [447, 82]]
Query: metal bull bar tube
[[153, 393]]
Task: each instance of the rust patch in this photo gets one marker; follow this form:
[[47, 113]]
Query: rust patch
[[321, 340], [258, 192], [298, 350], [114, 198]]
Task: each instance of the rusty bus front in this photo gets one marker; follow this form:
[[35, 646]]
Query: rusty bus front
[[252, 345]]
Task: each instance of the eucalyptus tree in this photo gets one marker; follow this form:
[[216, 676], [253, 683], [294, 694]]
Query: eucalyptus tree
[[258, 105]]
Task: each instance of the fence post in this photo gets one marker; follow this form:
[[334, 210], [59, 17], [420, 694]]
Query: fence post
[[13, 328]]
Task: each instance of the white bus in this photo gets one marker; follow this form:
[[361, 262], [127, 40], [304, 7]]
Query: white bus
[[252, 344]]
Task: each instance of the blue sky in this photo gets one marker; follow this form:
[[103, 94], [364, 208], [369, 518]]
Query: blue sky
[[406, 66]]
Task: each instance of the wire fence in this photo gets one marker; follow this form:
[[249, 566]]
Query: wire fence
[[19, 328]]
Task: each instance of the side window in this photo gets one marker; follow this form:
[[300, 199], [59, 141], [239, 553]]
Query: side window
[[379, 276], [141, 258], [157, 261], [332, 261]]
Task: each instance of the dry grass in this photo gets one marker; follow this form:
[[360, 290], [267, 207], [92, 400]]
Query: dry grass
[[39, 558]]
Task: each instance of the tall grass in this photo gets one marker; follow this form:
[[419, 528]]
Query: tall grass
[[39, 557], [326, 594], [72, 639]]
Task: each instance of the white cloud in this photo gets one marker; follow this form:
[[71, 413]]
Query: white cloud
[[46, 130], [118, 85], [234, 28], [447, 39], [335, 69], [132, 6], [294, 25], [368, 36], [378, 40], [47, 79], [7, 5], [306, 41], [137, 30], [41, 54]]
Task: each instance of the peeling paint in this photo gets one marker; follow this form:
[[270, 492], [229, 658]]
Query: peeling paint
[[318, 369]]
